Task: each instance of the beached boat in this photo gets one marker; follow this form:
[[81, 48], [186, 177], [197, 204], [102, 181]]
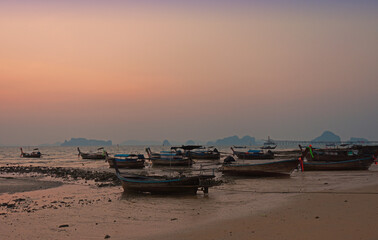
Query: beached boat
[[100, 154], [35, 154], [126, 160], [324, 160], [337, 153], [266, 168], [354, 164], [169, 158], [331, 154], [253, 154], [164, 184], [199, 152]]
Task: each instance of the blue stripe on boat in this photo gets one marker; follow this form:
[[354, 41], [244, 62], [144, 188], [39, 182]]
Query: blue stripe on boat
[[254, 151]]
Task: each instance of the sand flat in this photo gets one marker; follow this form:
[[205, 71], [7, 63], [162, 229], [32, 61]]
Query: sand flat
[[333, 205], [337, 216]]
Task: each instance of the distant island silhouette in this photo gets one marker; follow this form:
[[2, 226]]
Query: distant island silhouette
[[85, 142], [234, 140], [327, 136]]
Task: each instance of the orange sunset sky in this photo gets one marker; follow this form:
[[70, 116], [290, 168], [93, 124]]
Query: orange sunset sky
[[122, 71]]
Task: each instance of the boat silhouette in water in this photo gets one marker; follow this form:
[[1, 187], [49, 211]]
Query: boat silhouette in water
[[34, 154], [100, 154], [269, 144]]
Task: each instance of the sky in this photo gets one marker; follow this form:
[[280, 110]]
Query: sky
[[180, 70]]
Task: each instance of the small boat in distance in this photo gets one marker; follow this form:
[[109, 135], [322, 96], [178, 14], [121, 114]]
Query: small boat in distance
[[163, 184], [126, 160], [253, 154], [100, 154], [269, 144], [169, 158], [267, 168], [35, 154]]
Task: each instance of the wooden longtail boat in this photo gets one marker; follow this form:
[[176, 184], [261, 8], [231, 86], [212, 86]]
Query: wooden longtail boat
[[126, 160], [253, 154], [163, 184], [100, 154], [270, 168], [35, 154], [169, 158], [335, 162], [331, 154], [199, 152], [354, 164]]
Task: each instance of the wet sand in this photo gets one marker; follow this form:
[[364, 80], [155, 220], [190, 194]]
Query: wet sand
[[338, 216], [13, 185], [312, 205]]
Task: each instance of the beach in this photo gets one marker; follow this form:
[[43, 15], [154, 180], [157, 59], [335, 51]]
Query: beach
[[309, 205], [343, 216]]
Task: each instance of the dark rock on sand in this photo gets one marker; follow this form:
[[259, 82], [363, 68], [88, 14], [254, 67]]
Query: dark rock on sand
[[64, 173]]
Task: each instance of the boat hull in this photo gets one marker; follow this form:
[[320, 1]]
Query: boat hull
[[285, 167], [171, 162], [185, 185], [126, 164], [161, 188], [255, 157], [204, 156], [92, 156], [356, 164]]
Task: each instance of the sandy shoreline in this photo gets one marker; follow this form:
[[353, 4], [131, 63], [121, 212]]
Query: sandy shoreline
[[336, 206], [350, 215]]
